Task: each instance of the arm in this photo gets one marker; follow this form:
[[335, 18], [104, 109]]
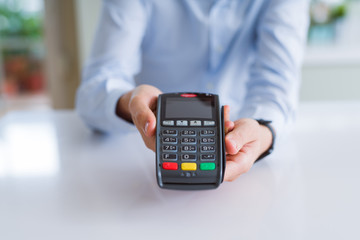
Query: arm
[[114, 60], [272, 89]]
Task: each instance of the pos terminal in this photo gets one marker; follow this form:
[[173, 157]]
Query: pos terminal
[[190, 149]]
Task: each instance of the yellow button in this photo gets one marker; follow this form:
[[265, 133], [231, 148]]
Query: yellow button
[[188, 166]]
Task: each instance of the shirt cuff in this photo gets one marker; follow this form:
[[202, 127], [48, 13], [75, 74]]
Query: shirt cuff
[[116, 124]]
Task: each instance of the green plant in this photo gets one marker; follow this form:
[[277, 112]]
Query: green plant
[[17, 23], [323, 13]]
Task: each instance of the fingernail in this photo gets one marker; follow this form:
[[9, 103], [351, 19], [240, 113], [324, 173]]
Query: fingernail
[[146, 127]]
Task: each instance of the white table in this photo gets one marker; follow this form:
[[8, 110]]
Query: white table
[[58, 180]]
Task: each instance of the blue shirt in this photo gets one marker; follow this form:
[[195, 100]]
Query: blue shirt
[[247, 51]]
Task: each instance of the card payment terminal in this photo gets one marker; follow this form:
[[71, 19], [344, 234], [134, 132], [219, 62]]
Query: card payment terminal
[[190, 149]]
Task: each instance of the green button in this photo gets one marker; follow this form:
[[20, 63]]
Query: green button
[[207, 166]]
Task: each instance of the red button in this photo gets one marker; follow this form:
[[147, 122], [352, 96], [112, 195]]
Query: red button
[[170, 166], [188, 95]]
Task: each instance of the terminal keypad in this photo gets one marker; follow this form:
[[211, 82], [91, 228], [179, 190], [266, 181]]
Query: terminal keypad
[[188, 149]]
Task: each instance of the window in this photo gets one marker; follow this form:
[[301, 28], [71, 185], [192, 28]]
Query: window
[[22, 52]]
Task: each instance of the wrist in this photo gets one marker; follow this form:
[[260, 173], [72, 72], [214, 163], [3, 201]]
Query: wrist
[[122, 107], [266, 138], [267, 135]]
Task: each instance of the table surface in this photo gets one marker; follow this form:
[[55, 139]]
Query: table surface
[[58, 180]]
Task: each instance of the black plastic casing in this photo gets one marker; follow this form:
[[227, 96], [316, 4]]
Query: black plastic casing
[[190, 180]]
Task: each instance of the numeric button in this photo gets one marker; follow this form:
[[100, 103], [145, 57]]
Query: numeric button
[[188, 133], [169, 132], [189, 148], [208, 132], [187, 140], [170, 140], [188, 157], [207, 140], [208, 148], [169, 148]]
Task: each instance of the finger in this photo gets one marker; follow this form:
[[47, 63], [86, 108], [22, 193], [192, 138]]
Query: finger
[[150, 142], [226, 113], [240, 163], [229, 125], [233, 170], [150, 125], [245, 131], [143, 116], [148, 136], [231, 146]]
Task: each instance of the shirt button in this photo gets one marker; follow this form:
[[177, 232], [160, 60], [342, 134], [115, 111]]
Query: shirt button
[[210, 86]]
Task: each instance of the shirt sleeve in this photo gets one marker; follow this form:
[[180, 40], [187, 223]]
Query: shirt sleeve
[[114, 60], [273, 86]]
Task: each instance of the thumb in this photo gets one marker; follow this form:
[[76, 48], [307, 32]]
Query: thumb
[[150, 124], [242, 134], [143, 117]]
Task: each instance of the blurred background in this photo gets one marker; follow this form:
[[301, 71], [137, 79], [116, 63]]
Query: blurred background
[[44, 43]]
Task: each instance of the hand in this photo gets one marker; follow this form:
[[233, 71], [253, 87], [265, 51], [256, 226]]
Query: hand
[[245, 141], [139, 106]]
